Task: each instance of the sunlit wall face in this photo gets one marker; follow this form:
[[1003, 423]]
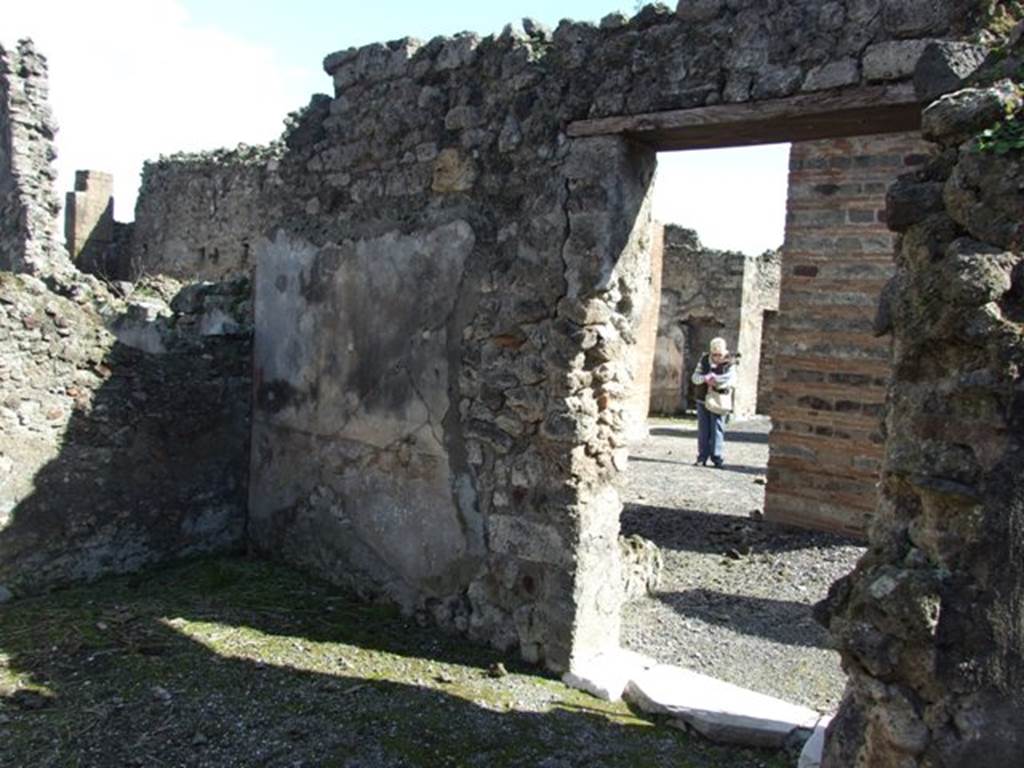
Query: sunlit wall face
[[735, 199]]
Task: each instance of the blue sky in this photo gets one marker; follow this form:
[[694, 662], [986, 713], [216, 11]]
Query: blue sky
[[131, 79]]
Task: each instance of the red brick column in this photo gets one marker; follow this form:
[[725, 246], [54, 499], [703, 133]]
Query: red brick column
[[830, 371]]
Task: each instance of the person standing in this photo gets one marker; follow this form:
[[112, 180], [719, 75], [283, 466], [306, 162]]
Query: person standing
[[714, 369]]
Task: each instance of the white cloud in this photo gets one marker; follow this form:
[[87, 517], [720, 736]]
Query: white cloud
[[131, 79]]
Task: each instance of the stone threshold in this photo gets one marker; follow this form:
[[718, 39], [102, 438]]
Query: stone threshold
[[718, 710]]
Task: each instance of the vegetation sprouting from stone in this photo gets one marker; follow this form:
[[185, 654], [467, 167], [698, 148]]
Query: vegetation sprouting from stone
[[1005, 136]]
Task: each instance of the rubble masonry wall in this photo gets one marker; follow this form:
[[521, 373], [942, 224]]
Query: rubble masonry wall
[[28, 204], [198, 216], [124, 427], [461, 457], [929, 623], [124, 419]]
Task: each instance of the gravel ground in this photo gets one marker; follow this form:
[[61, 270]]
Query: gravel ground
[[736, 593]]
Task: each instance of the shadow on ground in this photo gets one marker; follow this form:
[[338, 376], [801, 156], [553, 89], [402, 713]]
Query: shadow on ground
[[733, 434], [691, 530], [727, 467], [783, 621], [235, 662]]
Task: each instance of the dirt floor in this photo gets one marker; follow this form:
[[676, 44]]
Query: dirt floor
[[234, 662], [736, 593]]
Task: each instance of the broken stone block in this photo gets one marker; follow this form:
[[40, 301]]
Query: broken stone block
[[944, 66], [641, 566], [956, 117], [720, 711]]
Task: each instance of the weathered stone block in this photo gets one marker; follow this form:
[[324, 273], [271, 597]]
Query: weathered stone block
[[944, 66], [453, 172], [833, 74], [892, 60], [916, 18], [699, 10], [909, 201], [956, 117]]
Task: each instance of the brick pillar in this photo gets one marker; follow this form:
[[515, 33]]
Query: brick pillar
[[89, 219], [830, 370]]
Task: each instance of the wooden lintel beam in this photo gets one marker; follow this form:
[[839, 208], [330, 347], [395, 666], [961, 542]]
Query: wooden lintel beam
[[871, 109]]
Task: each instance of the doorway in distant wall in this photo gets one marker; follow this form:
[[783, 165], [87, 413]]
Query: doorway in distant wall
[[734, 599], [735, 586]]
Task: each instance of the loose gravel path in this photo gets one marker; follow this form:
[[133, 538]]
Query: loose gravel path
[[736, 593]]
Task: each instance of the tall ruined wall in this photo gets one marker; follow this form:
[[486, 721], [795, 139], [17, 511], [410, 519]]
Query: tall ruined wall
[[830, 369], [28, 204], [198, 216], [929, 624], [707, 293], [120, 447], [460, 455]]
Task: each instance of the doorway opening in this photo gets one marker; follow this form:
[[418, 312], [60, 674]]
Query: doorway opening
[[737, 587]]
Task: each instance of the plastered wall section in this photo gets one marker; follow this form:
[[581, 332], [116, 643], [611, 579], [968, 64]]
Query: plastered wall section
[[830, 370]]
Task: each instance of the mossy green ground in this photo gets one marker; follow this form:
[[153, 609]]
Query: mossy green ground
[[236, 662]]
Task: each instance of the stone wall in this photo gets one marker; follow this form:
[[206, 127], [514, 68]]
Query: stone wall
[[124, 426], [28, 205], [929, 623], [198, 216], [484, 419], [830, 369], [89, 223], [707, 293]]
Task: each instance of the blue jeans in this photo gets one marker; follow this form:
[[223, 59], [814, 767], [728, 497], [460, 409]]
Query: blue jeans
[[710, 435]]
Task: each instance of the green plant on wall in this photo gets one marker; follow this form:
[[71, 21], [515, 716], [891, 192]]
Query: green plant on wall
[[1006, 136], [1000, 16]]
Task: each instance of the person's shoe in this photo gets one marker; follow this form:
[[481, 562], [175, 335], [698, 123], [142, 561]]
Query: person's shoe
[[719, 464], [699, 463]]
